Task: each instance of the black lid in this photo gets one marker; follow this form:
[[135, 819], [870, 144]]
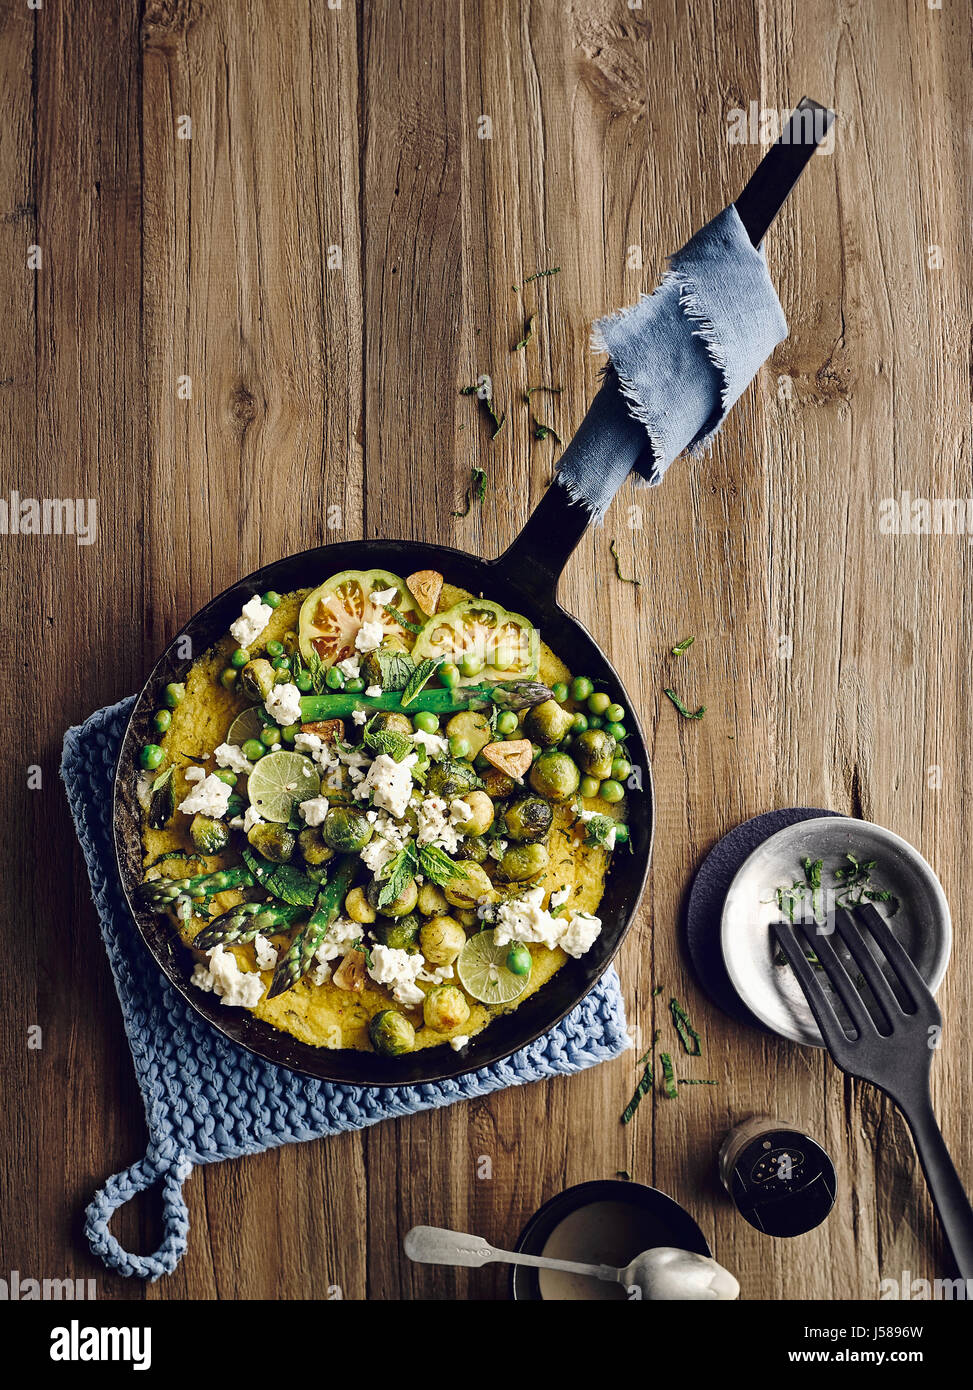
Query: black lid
[[783, 1183]]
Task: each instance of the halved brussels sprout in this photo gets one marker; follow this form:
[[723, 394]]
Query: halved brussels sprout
[[208, 835], [467, 891], [497, 784], [547, 723], [451, 778], [274, 842], [346, 830], [313, 848], [441, 940], [257, 678], [391, 1033], [445, 1008], [524, 862], [475, 848], [593, 751], [399, 933], [400, 906], [481, 814], [432, 900], [390, 721], [528, 819], [358, 908], [555, 776]]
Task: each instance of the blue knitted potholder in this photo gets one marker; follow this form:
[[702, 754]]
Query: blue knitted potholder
[[207, 1099]]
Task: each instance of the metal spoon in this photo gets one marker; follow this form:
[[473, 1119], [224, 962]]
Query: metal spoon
[[664, 1273]]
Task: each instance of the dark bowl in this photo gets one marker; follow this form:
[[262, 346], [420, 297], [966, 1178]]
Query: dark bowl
[[671, 1225], [528, 592]]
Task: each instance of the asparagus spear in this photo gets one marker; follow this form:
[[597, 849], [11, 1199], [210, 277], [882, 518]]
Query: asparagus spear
[[161, 893], [515, 695], [299, 956], [241, 924]]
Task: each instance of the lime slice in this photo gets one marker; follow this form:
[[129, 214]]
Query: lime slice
[[483, 972], [279, 781], [246, 725]]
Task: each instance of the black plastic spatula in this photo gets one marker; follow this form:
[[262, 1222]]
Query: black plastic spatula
[[884, 1041]]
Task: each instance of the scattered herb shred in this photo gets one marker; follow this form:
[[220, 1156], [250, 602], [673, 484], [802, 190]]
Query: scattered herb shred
[[683, 646], [683, 709], [528, 334], [626, 579], [476, 491], [645, 1085], [541, 431], [541, 274], [669, 1088], [488, 406], [695, 1081], [657, 991], [688, 1036], [414, 628], [550, 390]]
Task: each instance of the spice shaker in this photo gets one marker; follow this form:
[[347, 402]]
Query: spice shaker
[[779, 1179]]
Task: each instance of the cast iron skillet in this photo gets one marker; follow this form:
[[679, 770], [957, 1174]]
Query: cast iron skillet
[[524, 579]]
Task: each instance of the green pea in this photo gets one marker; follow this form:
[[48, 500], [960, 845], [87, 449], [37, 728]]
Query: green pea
[[235, 805], [615, 713], [449, 673], [270, 737], [151, 756], [271, 598], [334, 680], [581, 688], [281, 663], [175, 694], [460, 747], [426, 722], [507, 723], [481, 763], [535, 751], [290, 733], [161, 720], [228, 678], [560, 692], [275, 649], [303, 681], [618, 732], [610, 790], [621, 833], [589, 786], [598, 702], [518, 960], [595, 721], [355, 686], [253, 749], [580, 724], [471, 665], [240, 657], [227, 776], [621, 768]]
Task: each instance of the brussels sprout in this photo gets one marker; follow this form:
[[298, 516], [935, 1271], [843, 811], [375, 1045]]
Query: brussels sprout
[[481, 814], [523, 862], [547, 723], [496, 783], [358, 908], [391, 1033], [390, 721], [467, 892], [274, 842], [555, 776], [257, 679], [346, 830], [441, 940], [399, 933], [475, 728], [528, 819], [451, 778], [467, 918], [445, 1008], [594, 751], [400, 906], [475, 848], [313, 848], [208, 835], [432, 900]]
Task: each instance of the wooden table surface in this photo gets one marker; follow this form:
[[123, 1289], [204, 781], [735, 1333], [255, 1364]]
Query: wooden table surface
[[251, 341]]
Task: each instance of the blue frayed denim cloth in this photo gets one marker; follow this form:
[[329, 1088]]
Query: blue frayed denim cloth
[[679, 359], [207, 1099]]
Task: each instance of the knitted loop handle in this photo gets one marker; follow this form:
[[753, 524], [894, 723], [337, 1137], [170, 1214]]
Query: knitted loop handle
[[120, 1189]]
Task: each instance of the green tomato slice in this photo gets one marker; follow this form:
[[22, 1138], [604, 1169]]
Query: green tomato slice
[[332, 614], [507, 643]]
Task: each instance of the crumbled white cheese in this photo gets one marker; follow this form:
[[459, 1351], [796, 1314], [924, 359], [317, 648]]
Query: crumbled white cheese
[[308, 744], [580, 934], [397, 970], [265, 953], [369, 637], [390, 783], [459, 1041], [194, 774], [437, 976], [609, 841], [387, 840], [434, 826], [236, 988], [383, 596], [251, 622], [209, 797], [251, 817], [232, 756], [434, 744], [459, 810], [497, 848], [283, 704], [315, 809], [339, 939], [359, 716], [350, 668], [560, 897], [373, 691]]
